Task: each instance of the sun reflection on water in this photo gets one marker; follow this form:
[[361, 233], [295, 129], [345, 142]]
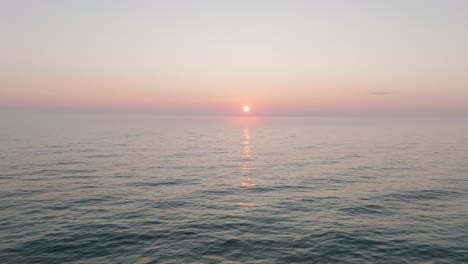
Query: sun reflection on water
[[247, 167], [246, 204]]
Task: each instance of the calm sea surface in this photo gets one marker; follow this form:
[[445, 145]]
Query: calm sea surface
[[83, 188]]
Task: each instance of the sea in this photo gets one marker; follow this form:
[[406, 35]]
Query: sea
[[145, 188]]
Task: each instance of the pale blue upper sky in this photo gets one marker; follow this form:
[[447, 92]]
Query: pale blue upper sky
[[276, 55]]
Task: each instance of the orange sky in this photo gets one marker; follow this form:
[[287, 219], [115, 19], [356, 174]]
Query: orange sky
[[279, 57]]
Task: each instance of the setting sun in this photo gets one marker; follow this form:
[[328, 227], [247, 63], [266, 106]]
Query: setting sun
[[246, 108]]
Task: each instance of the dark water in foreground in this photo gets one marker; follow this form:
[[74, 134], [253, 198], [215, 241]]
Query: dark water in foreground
[[145, 189]]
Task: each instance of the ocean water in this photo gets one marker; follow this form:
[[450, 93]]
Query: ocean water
[[115, 188]]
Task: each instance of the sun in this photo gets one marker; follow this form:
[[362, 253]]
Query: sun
[[246, 109]]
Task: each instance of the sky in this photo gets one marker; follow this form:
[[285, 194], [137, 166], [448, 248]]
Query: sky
[[278, 57]]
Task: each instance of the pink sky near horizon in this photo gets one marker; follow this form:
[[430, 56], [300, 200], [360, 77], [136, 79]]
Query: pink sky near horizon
[[279, 57]]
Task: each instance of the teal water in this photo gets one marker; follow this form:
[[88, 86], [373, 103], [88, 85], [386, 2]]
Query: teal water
[[83, 188]]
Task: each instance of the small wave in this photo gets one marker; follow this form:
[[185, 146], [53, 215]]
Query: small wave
[[52, 172], [102, 156], [368, 209], [164, 183], [433, 194]]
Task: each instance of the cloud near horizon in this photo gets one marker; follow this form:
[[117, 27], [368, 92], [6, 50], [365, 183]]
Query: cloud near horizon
[[380, 93]]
